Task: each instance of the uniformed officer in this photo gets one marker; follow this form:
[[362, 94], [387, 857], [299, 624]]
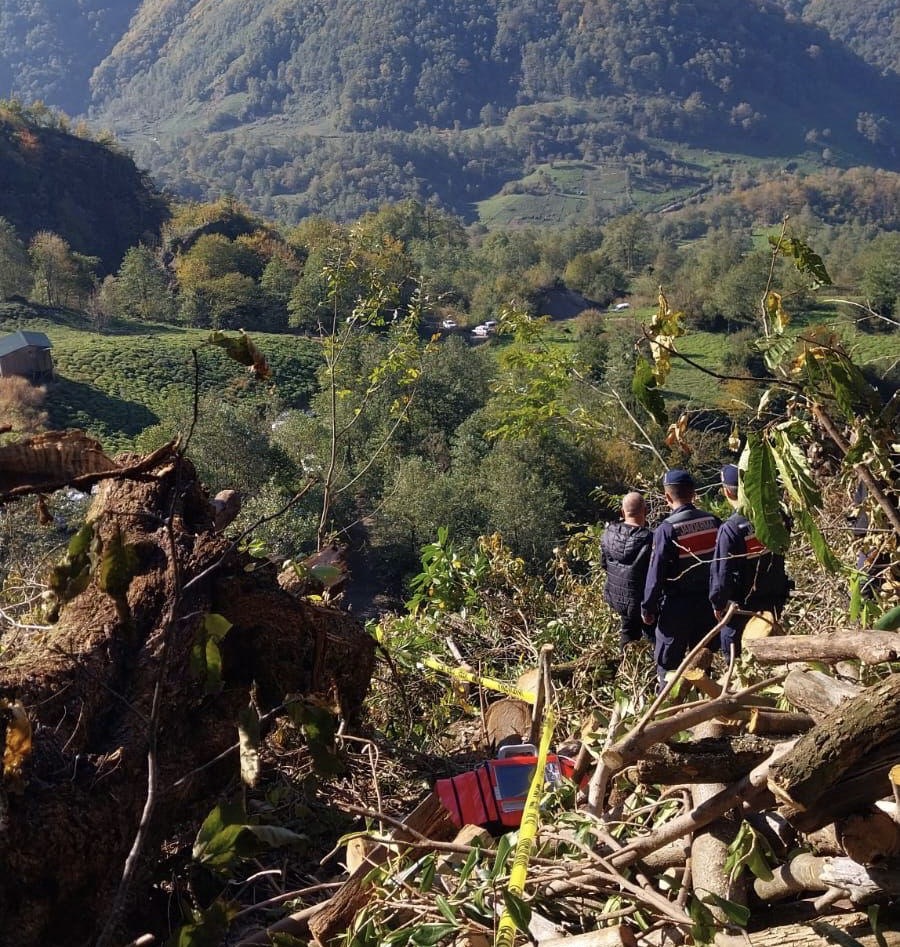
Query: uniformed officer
[[676, 593], [625, 554], [743, 571]]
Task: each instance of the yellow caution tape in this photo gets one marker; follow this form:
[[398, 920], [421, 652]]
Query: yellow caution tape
[[531, 817], [488, 682]]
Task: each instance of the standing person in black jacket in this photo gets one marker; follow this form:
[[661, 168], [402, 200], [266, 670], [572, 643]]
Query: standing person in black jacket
[[743, 571], [625, 554]]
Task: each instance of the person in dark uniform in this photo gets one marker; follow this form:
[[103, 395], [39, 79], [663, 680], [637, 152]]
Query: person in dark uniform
[[676, 593], [625, 555], [743, 571]]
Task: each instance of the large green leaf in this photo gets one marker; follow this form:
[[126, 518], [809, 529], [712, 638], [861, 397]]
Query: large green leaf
[[760, 494], [889, 621], [427, 935], [793, 466], [206, 656], [644, 389], [852, 392], [518, 909], [819, 545], [806, 260], [736, 913]]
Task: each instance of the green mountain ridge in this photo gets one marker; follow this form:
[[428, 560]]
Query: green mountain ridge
[[301, 108]]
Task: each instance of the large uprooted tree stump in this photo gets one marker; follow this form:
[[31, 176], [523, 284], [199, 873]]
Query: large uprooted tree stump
[[87, 686]]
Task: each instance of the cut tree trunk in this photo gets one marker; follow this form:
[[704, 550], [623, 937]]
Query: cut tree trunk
[[429, 819], [710, 845], [873, 647], [507, 720], [817, 693], [832, 749], [709, 760], [88, 687]]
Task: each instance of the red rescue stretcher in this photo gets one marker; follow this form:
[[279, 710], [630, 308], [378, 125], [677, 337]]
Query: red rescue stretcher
[[493, 794]]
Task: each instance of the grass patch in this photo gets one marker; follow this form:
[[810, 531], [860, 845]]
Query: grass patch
[[569, 191], [117, 384]]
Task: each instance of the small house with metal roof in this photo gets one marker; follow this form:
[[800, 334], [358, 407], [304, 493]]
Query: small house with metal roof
[[26, 354]]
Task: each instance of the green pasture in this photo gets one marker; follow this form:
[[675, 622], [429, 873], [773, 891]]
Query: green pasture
[[690, 384], [116, 384], [562, 191]]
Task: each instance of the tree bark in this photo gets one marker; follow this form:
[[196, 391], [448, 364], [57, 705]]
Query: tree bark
[[709, 848], [723, 759], [873, 647], [832, 749], [88, 687], [856, 791], [817, 693], [827, 932]]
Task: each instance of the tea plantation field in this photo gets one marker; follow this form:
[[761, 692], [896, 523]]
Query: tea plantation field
[[116, 384]]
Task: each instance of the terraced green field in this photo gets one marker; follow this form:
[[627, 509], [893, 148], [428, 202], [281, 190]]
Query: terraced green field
[[117, 384]]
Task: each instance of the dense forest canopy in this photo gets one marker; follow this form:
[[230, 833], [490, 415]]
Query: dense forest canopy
[[871, 28], [299, 108]]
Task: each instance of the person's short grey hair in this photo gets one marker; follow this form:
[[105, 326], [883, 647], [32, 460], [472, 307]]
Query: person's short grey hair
[[633, 503]]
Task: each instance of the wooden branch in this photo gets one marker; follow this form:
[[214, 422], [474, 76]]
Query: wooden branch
[[863, 883], [429, 819], [873, 647], [862, 471], [635, 743], [801, 873], [541, 693], [710, 760], [829, 751], [710, 845], [817, 693], [296, 924], [620, 935], [763, 721], [751, 791]]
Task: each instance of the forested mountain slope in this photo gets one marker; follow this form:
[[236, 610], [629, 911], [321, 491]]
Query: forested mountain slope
[[49, 48], [303, 107], [90, 194], [870, 28]]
